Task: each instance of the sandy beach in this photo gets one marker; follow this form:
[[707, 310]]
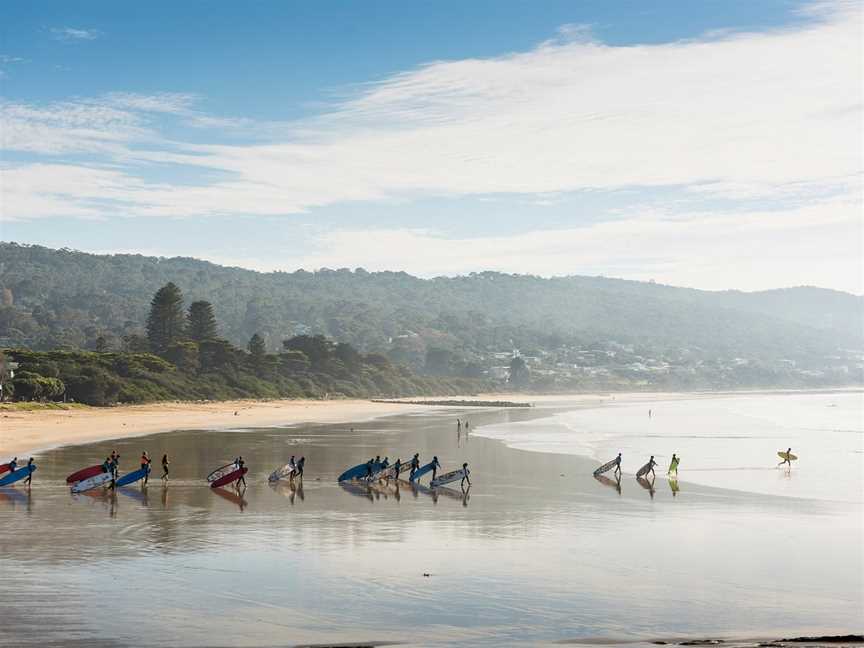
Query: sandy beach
[[32, 431]]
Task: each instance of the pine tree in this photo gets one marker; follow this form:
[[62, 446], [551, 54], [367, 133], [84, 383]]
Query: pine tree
[[202, 322], [257, 353], [165, 323]]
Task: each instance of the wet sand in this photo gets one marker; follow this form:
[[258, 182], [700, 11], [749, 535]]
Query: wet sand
[[537, 551]]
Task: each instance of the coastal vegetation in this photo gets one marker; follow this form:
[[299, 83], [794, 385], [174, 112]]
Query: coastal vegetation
[[511, 331]]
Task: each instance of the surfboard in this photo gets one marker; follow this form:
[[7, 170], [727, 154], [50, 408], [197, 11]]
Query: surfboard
[[606, 467], [91, 482], [787, 455], [281, 473], [132, 477], [230, 477], [221, 471], [644, 469], [358, 471], [84, 473], [422, 470], [3, 468], [19, 473], [446, 478]]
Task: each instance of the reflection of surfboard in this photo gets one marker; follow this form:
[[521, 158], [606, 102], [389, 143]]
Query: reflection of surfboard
[[356, 489], [644, 470], [230, 477], [612, 483], [221, 471], [644, 483], [609, 465], [132, 477], [234, 498], [84, 473], [787, 456], [20, 473], [447, 478], [92, 482], [422, 470]]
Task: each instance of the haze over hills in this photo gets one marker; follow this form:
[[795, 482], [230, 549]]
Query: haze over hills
[[581, 330]]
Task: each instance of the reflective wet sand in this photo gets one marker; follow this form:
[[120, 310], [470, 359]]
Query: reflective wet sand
[[538, 550]]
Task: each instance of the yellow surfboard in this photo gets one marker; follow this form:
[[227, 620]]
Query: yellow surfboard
[[787, 455]]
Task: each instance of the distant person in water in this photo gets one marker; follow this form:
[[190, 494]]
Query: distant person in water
[[673, 465], [300, 463], [165, 463], [649, 413], [435, 466], [30, 468], [787, 459], [465, 477]]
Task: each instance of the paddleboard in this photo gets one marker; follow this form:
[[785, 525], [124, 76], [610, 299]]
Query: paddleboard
[[91, 482], [3, 468], [422, 470], [221, 471], [644, 469], [785, 455], [132, 477], [281, 473], [358, 471], [84, 473], [606, 467], [19, 473], [447, 478], [230, 477]]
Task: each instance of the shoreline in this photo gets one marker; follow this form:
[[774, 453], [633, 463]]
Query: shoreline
[[25, 432], [28, 432]]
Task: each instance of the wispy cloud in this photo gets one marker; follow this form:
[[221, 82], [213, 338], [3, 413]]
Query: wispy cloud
[[74, 34], [761, 111]]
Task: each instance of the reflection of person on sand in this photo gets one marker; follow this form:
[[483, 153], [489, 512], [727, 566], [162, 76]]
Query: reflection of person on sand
[[647, 485], [673, 465], [616, 483], [787, 459], [673, 485]]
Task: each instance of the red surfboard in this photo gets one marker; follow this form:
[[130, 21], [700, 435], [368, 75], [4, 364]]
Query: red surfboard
[[3, 468], [230, 477], [84, 473]]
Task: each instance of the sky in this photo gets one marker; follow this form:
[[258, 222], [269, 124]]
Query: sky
[[713, 144]]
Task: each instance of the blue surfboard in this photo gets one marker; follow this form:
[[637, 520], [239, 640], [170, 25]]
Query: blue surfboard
[[132, 477], [422, 470], [21, 473], [358, 471]]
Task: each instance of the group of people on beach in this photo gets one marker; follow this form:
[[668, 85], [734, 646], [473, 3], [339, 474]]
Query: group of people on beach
[[377, 465], [13, 466]]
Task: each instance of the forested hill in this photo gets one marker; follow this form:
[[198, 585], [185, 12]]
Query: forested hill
[[62, 298]]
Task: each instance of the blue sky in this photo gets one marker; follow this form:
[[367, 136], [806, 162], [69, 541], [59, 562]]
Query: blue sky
[[708, 144]]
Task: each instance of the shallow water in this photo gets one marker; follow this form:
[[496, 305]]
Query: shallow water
[[536, 551]]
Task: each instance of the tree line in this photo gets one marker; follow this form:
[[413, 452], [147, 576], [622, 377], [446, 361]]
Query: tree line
[[183, 357]]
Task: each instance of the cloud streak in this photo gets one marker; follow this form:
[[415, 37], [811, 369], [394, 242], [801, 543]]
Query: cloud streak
[[73, 34]]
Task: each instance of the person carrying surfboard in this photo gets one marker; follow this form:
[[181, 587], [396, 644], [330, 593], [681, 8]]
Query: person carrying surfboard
[[30, 468], [465, 477], [650, 467], [300, 464], [673, 465], [13, 465], [240, 464], [435, 466], [145, 465], [787, 459], [415, 464]]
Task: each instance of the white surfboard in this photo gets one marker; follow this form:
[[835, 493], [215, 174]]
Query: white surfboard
[[93, 482], [447, 478], [282, 473]]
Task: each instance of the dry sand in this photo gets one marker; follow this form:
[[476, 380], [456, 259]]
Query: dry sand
[[25, 432]]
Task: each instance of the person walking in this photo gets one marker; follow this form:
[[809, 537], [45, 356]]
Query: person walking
[[240, 465], [415, 464], [145, 465], [31, 468], [787, 459], [465, 476], [165, 463], [435, 466], [673, 465], [300, 465]]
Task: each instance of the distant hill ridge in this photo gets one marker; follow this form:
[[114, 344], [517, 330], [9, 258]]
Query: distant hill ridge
[[52, 297]]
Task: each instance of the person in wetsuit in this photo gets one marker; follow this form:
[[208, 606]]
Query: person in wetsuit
[[300, 464], [435, 467], [465, 478], [29, 476], [788, 459], [145, 465], [415, 464], [165, 463], [240, 464], [673, 465], [651, 464]]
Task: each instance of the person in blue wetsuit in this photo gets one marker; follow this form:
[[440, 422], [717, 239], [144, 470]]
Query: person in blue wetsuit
[[465, 478], [435, 466]]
